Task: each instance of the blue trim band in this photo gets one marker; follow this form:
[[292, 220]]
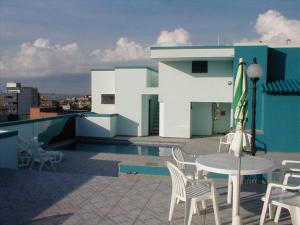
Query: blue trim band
[[8, 134], [18, 122], [126, 67], [93, 114], [103, 69], [191, 47], [88, 114]]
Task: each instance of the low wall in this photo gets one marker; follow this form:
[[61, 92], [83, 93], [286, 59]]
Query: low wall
[[96, 125], [48, 130], [8, 149]]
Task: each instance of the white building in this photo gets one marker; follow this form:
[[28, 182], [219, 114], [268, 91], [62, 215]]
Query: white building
[[195, 90], [191, 94], [130, 92]]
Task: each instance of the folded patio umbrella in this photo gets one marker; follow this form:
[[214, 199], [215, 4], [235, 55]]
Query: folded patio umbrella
[[240, 113], [240, 106]]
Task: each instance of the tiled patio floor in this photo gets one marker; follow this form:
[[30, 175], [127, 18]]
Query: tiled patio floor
[[31, 197]]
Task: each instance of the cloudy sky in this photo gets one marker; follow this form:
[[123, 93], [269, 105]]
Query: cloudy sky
[[53, 44]]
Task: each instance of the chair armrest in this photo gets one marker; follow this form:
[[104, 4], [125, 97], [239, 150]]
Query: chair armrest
[[282, 186], [285, 164], [287, 176], [223, 139], [202, 181], [190, 157], [187, 163]]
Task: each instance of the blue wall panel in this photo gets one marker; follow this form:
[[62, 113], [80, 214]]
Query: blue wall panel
[[261, 54], [278, 116], [282, 123]]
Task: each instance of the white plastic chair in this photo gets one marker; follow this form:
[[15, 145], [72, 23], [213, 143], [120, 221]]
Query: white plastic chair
[[57, 156], [289, 166], [282, 196], [287, 177], [40, 157], [24, 155], [226, 140], [185, 162], [191, 192]]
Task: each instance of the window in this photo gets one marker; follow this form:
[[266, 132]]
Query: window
[[199, 66], [107, 99]]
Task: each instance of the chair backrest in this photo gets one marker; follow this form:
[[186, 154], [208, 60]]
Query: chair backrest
[[292, 179], [179, 181], [178, 156], [229, 137], [23, 145], [247, 141], [34, 147]]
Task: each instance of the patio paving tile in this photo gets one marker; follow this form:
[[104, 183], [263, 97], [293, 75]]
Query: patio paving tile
[[33, 198]]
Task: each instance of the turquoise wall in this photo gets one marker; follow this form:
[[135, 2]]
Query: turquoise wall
[[261, 54], [283, 63], [282, 123], [48, 130], [278, 116]]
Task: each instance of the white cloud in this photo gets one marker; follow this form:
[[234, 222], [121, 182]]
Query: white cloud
[[43, 58], [274, 28], [125, 50], [177, 37]]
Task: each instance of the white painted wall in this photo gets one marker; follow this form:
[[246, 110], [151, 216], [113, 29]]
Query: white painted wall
[[177, 54], [179, 87], [161, 118], [128, 85], [102, 82], [96, 126]]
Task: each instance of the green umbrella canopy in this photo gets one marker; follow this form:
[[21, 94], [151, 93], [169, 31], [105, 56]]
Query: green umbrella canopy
[[240, 105]]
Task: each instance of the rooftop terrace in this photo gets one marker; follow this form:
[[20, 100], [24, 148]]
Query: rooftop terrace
[[88, 189]]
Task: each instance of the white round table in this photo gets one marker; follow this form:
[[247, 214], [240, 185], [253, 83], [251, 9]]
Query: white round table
[[224, 163]]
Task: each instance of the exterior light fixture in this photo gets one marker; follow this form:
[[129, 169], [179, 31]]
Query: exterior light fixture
[[254, 72]]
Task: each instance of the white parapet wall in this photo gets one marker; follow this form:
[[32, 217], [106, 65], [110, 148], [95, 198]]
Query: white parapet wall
[[8, 149], [96, 125]]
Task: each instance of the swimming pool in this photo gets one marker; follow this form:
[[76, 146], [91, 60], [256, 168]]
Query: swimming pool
[[130, 149]]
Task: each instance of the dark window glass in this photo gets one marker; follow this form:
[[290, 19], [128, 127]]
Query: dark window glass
[[199, 66], [107, 99]]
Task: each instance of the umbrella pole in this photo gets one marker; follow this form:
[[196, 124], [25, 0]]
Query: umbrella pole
[[239, 186], [236, 220]]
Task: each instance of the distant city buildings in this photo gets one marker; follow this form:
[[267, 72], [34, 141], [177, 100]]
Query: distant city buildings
[[18, 102]]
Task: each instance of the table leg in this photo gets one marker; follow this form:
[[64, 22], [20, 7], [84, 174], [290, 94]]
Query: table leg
[[270, 177], [229, 191], [236, 220]]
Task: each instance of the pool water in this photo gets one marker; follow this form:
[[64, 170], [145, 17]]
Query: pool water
[[131, 149]]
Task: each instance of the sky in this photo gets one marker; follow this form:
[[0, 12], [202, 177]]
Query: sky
[[53, 44]]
